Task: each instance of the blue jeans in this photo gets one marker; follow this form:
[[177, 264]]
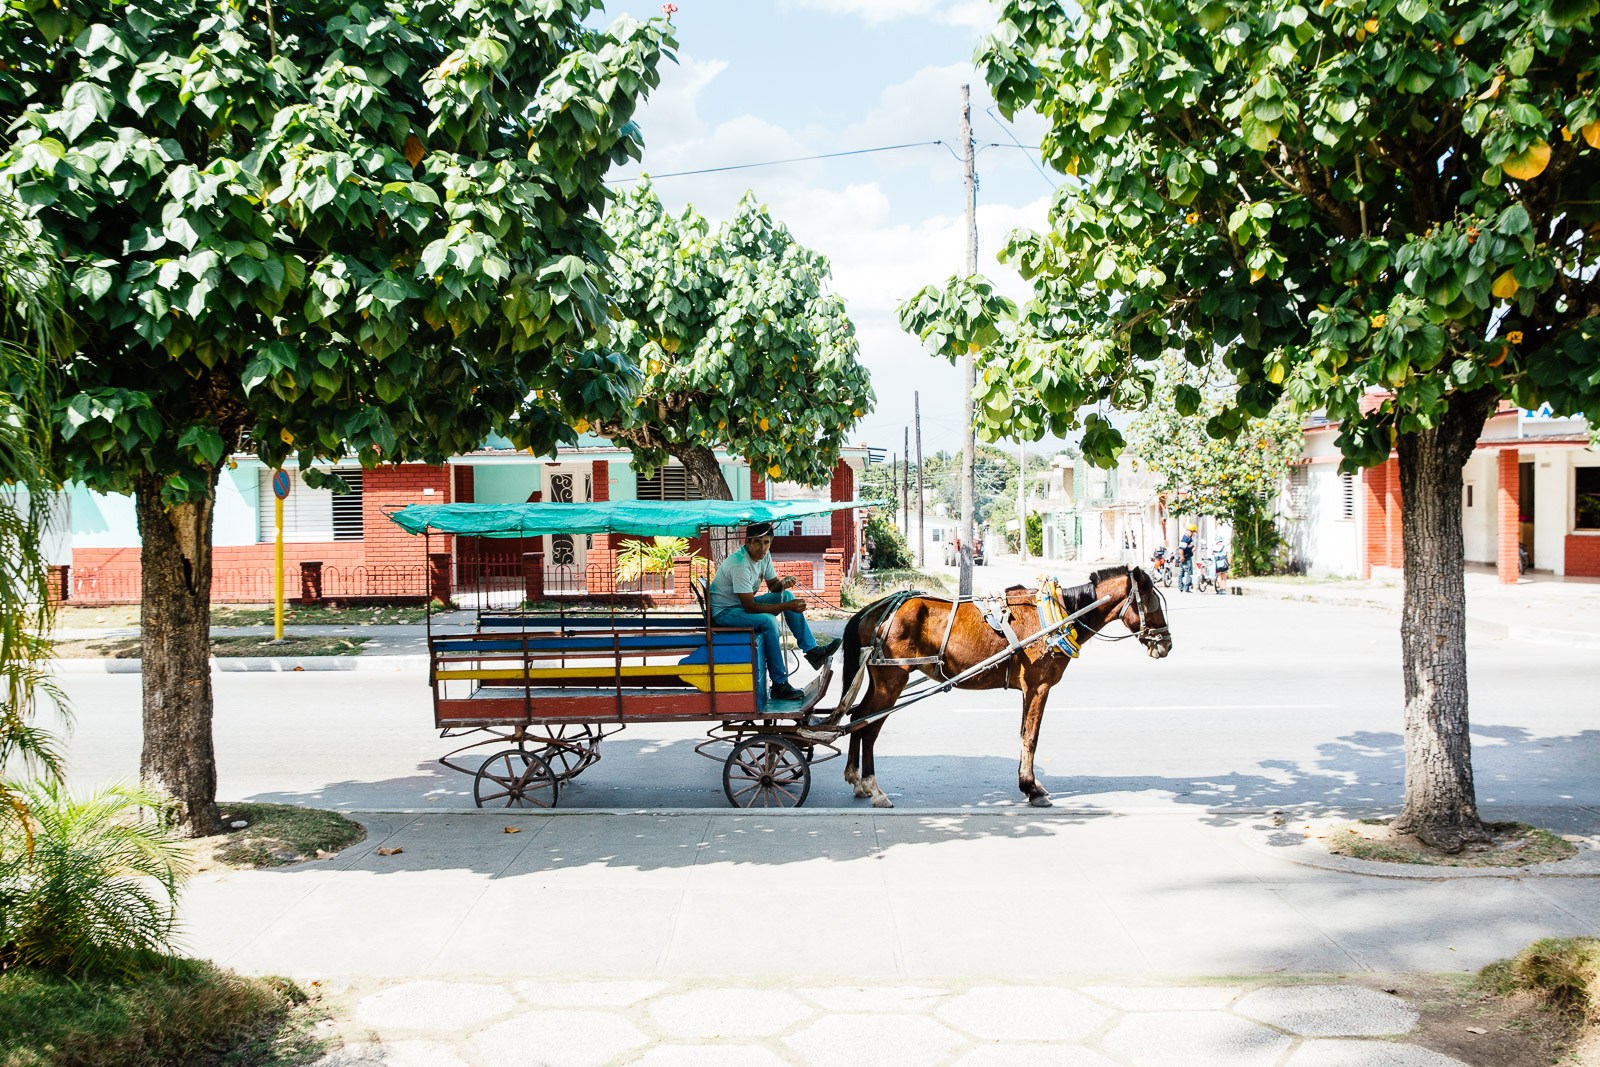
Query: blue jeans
[[1185, 575], [766, 628]]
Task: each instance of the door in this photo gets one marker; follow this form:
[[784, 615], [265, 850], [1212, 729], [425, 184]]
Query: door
[[566, 555], [1525, 513]]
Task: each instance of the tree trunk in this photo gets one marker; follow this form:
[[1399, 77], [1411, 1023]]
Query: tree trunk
[[704, 471], [1441, 807], [175, 617]]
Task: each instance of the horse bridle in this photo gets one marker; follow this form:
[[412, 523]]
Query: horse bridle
[[1136, 599]]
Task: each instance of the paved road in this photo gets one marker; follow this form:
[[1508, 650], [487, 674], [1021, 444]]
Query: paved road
[[1262, 704]]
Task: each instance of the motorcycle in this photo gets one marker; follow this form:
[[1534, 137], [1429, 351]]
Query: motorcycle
[[1161, 568]]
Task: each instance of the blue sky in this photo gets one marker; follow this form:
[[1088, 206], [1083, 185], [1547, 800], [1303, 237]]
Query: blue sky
[[772, 79]]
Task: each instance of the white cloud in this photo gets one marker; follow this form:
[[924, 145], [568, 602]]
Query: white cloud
[[882, 242], [975, 13]]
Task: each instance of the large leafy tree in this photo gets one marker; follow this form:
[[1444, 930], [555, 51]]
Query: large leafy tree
[[1238, 479], [739, 341], [1381, 207], [311, 229]]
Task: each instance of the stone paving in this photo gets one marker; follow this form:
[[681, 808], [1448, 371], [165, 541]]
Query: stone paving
[[706, 1023]]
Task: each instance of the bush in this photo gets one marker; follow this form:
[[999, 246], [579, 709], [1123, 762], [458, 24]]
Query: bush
[[1258, 547], [75, 874], [639, 558], [886, 545], [173, 1011], [1035, 527]]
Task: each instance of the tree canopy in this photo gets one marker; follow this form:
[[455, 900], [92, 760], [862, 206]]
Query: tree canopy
[[1201, 474], [359, 229], [739, 343], [1343, 196]]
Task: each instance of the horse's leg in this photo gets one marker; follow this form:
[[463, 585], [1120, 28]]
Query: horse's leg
[[1033, 699], [852, 773], [884, 694]]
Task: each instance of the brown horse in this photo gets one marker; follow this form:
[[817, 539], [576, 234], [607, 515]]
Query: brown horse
[[914, 628]]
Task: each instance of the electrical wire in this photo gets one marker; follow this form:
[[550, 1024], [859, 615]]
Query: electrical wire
[[781, 162], [990, 111]]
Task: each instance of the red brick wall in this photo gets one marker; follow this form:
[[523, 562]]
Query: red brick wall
[[844, 537], [388, 562], [1374, 546], [758, 485], [1381, 540], [1583, 555], [1508, 513]]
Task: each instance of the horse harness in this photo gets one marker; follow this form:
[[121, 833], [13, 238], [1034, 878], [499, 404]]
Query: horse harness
[[996, 612]]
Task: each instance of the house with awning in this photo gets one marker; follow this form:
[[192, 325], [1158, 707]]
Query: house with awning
[[342, 546]]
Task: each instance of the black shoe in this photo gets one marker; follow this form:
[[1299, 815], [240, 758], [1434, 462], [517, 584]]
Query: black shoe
[[822, 653], [785, 691]]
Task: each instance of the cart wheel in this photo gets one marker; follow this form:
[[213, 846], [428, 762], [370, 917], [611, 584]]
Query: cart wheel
[[766, 771], [515, 779]]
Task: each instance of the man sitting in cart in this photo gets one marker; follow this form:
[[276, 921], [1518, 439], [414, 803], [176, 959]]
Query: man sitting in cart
[[735, 602]]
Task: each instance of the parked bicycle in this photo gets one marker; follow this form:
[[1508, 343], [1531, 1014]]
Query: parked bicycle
[[1205, 569]]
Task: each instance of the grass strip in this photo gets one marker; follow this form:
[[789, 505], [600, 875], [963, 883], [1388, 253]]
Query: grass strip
[[176, 1012], [279, 834], [231, 645]]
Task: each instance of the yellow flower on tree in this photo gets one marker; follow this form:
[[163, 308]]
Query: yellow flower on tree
[[1515, 337], [1378, 320]]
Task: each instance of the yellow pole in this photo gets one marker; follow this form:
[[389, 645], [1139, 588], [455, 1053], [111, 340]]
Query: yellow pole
[[277, 572]]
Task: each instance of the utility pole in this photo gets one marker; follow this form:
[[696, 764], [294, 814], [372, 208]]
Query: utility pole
[[969, 443], [1022, 501], [905, 487], [922, 552]]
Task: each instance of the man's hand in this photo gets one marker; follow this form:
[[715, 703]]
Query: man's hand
[[788, 581], [794, 605]]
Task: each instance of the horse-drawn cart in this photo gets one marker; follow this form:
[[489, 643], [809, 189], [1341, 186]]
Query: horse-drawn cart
[[540, 688]]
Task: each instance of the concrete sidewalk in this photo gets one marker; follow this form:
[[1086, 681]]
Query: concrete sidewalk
[[1536, 608], [844, 912]]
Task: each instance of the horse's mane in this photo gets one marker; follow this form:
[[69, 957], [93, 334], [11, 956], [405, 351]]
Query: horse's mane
[[1079, 597]]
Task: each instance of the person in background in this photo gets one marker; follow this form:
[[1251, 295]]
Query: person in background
[[1220, 551], [1186, 559], [734, 602]]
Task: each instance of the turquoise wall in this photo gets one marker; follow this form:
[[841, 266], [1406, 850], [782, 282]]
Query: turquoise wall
[[238, 515], [505, 483], [101, 520], [624, 481]]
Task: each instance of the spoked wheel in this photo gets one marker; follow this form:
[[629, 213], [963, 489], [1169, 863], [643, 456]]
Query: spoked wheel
[[515, 779], [572, 752], [766, 771], [1165, 577], [1204, 583]]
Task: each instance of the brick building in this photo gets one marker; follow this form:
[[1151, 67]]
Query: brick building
[[343, 546], [1532, 486]]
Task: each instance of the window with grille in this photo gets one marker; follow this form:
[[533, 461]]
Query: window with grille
[[314, 514], [1299, 485], [1347, 496], [667, 483]]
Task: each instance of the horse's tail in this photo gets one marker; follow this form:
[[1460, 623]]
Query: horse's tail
[[852, 649]]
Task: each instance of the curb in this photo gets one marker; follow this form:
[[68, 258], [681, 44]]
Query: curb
[[255, 664], [1481, 627], [1284, 844]]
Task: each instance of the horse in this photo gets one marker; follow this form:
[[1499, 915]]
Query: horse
[[918, 627]]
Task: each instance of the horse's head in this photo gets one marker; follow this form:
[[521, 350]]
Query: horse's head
[[1144, 613]]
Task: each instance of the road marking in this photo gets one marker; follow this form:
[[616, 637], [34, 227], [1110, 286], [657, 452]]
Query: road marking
[[1174, 707]]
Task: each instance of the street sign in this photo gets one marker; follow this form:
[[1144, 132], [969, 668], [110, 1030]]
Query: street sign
[[280, 484]]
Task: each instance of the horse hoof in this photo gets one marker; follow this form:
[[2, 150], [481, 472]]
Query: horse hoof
[[882, 802], [863, 794], [1041, 802]]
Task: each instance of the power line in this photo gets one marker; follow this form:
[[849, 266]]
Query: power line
[[1007, 131], [794, 159]]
